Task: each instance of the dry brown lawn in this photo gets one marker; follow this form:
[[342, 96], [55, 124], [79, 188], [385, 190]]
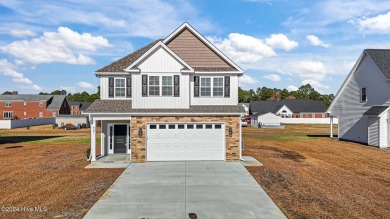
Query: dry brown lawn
[[319, 177], [44, 168]]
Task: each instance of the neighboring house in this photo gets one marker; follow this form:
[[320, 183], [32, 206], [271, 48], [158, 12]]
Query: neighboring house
[[246, 108], [25, 106], [76, 108], [174, 99], [362, 103], [269, 120], [290, 108]]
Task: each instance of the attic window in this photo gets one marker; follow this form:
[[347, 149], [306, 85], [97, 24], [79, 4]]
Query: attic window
[[363, 95]]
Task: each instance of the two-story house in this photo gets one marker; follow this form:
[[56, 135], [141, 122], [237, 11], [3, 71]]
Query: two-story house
[[362, 104], [25, 106], [174, 99], [76, 108]]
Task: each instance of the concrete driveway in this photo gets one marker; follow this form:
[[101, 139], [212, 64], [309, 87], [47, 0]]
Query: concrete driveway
[[210, 189]]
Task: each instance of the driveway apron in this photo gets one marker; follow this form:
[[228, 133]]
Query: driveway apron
[[209, 189]]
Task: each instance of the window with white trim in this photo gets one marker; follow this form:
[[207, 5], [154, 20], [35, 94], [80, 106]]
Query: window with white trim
[[154, 85], [8, 115], [363, 95], [167, 86], [40, 114], [53, 114], [40, 103], [120, 87], [211, 86], [205, 87], [7, 104]]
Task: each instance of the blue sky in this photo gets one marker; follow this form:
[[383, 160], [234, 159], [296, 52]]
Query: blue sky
[[49, 45]]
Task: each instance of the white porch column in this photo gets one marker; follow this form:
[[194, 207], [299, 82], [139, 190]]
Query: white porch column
[[331, 126], [93, 139]]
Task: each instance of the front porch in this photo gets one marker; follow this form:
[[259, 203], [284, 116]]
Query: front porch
[[110, 161]]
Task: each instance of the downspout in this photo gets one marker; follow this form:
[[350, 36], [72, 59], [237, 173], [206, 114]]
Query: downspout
[[240, 137]]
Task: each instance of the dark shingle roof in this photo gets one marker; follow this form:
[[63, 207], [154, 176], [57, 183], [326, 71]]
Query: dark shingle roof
[[82, 105], [126, 61], [26, 97], [296, 106], [124, 106], [56, 102], [375, 110], [381, 57]]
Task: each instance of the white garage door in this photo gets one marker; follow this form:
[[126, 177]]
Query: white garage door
[[193, 141]]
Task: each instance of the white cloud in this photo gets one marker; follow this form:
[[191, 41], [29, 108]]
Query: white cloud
[[85, 85], [246, 79], [318, 86], [272, 77], [280, 41], [315, 41], [378, 24], [8, 69], [242, 48], [22, 33], [65, 46], [314, 70], [291, 88]]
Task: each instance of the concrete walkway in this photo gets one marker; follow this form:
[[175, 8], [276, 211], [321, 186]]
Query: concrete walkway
[[176, 189]]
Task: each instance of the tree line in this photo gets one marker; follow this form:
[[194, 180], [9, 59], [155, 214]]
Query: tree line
[[265, 93]]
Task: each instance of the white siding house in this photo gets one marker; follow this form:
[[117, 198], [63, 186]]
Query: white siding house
[[361, 104]]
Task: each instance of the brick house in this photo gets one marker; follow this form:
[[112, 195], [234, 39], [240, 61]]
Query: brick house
[[25, 106], [174, 99], [76, 108]]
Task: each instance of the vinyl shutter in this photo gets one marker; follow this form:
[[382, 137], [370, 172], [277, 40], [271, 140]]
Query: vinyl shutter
[[176, 85], [196, 86], [111, 87], [227, 86], [144, 85], [128, 87]]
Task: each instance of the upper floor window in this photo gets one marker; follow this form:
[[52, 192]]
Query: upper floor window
[[211, 87], [154, 86], [7, 104], [120, 87], [160, 86], [40, 103], [363, 95]]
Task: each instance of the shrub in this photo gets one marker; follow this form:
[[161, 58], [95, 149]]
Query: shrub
[[87, 152], [70, 126]]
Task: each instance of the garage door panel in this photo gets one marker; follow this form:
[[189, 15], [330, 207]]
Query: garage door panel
[[197, 142]]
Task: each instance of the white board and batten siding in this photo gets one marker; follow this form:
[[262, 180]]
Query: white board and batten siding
[[232, 100], [348, 107], [160, 63]]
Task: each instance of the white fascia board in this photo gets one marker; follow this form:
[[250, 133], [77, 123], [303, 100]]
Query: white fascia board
[[111, 73], [218, 72], [204, 40], [157, 45], [351, 73]]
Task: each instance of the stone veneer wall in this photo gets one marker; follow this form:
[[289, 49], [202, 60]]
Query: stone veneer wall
[[138, 150]]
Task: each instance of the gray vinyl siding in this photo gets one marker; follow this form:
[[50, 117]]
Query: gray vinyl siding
[[373, 131], [349, 108]]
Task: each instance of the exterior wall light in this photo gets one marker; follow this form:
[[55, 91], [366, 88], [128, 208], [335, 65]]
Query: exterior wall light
[[140, 132], [230, 132]]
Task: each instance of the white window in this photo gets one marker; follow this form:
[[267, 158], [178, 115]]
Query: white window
[[40, 103], [217, 87], [205, 87], [8, 115], [120, 87], [211, 87], [363, 95], [7, 104], [167, 86], [25, 113], [40, 114], [53, 114], [25, 103], [154, 86]]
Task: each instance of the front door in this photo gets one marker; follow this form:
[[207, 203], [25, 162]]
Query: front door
[[120, 138]]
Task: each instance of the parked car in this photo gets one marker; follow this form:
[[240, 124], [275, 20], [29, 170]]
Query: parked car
[[244, 123], [248, 121]]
